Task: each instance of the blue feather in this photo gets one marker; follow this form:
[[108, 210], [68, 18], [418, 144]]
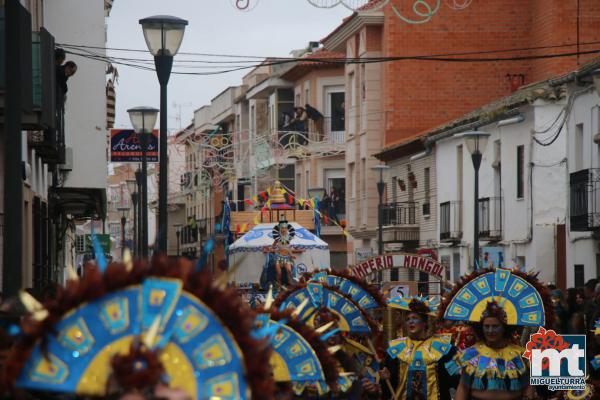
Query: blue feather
[[99, 253]]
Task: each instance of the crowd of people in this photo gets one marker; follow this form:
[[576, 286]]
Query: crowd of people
[[467, 344]]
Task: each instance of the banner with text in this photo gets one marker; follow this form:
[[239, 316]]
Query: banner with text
[[125, 146], [410, 261]]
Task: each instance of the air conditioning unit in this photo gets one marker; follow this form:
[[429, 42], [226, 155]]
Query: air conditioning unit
[[68, 165]]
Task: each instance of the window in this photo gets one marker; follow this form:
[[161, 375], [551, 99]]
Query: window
[[352, 183], [520, 171], [579, 275], [445, 261], [427, 183], [455, 267], [394, 276], [578, 147]]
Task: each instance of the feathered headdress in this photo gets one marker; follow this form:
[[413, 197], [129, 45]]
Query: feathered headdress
[[421, 305], [366, 295], [521, 296], [132, 327]]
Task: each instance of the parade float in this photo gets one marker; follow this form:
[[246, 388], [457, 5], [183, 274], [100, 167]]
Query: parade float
[[276, 242]]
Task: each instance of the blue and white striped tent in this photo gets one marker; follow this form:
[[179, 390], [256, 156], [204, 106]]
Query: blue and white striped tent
[[313, 253]]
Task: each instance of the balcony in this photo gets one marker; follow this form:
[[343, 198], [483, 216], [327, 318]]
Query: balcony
[[585, 200], [49, 144], [305, 138], [451, 221], [399, 222], [490, 218]]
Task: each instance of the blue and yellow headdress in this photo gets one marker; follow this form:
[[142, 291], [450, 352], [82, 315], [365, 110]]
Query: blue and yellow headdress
[[521, 296], [182, 329], [422, 305], [300, 354], [596, 359], [319, 296], [365, 295]]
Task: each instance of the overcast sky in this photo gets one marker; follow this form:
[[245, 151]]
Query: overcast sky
[[271, 28]]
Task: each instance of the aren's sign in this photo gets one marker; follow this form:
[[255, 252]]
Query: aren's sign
[[125, 146], [410, 261]]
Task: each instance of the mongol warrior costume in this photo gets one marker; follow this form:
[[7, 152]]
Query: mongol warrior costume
[[142, 331], [344, 303], [496, 300], [416, 364]]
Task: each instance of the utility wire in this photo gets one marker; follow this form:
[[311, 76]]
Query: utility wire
[[474, 52]]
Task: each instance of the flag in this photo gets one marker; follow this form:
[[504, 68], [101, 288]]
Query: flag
[[256, 220], [255, 198], [326, 219], [237, 228], [249, 202], [263, 195], [301, 202], [244, 227], [291, 199]]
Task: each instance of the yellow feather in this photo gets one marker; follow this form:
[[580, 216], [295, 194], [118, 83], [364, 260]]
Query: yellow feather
[[150, 336], [127, 259], [270, 299], [323, 328], [334, 349], [299, 309]]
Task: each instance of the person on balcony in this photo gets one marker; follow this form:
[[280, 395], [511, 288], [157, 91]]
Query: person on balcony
[[298, 124], [316, 116], [63, 73]]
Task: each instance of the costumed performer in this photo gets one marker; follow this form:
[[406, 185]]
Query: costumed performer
[[415, 363], [497, 301]]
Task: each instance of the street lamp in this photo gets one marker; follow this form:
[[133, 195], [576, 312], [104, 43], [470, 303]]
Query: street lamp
[[124, 210], [476, 142], [132, 188], [143, 120], [178, 234], [380, 187], [163, 36]]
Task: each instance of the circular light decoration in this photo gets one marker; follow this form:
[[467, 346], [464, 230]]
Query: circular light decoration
[[283, 233], [458, 5], [353, 5], [244, 5]]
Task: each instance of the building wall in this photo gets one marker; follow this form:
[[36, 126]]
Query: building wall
[[582, 247], [73, 21], [365, 121], [437, 92], [528, 223]]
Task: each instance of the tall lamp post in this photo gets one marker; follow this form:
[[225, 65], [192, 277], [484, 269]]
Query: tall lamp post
[[124, 211], [476, 142], [132, 188], [140, 185], [163, 34], [143, 120], [380, 189], [178, 234]]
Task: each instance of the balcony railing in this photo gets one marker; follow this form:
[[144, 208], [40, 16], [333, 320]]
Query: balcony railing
[[402, 213], [451, 221], [490, 218], [585, 200], [50, 143]]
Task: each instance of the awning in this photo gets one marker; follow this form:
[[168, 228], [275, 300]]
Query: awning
[[79, 202]]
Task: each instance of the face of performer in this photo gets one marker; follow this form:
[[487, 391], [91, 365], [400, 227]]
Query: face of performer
[[415, 325], [493, 330]]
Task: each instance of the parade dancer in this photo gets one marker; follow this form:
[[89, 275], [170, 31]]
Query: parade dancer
[[497, 301], [415, 363]]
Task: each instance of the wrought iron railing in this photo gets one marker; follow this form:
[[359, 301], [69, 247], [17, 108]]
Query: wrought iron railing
[[585, 200], [400, 213], [490, 218], [451, 220]]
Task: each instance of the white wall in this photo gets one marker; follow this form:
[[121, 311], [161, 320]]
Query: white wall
[[83, 22], [549, 184], [581, 247]]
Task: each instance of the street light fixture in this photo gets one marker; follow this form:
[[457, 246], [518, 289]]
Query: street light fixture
[[163, 34], [143, 120], [178, 234], [476, 141], [132, 189], [124, 210], [380, 187]]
